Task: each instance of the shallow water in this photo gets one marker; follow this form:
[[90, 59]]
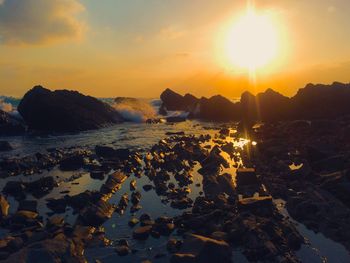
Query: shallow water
[[141, 136], [318, 248]]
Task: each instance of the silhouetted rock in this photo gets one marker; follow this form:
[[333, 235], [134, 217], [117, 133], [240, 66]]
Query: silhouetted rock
[[5, 146], [217, 108], [64, 111], [321, 101], [10, 125], [175, 102]]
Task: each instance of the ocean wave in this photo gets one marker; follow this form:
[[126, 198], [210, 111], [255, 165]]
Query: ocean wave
[[134, 110], [5, 106]]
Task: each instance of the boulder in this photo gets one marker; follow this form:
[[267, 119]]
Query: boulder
[[110, 153], [142, 233], [5, 146], [217, 108], [321, 101], [202, 249], [64, 111], [97, 214], [173, 101], [10, 125], [4, 207]]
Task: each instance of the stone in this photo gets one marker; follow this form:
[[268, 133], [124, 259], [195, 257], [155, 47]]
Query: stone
[[97, 214], [133, 221], [4, 207], [5, 146], [72, 163], [246, 176], [196, 248], [65, 111], [122, 250], [142, 233]]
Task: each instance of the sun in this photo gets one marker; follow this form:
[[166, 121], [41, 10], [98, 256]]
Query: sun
[[252, 41]]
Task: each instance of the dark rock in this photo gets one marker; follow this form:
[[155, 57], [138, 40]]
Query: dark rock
[[97, 214], [10, 125], [4, 207], [64, 111], [113, 182], [5, 146], [41, 187], [14, 188], [246, 176], [147, 187], [133, 222], [142, 233], [217, 108], [202, 249], [109, 152], [175, 102], [72, 163], [99, 175], [122, 250], [28, 205]]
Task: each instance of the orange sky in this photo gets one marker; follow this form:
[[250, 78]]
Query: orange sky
[[136, 48]]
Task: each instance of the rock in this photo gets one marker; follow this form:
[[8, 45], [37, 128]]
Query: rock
[[5, 146], [97, 214], [132, 185], [173, 101], [142, 233], [9, 125], [99, 175], [217, 108], [202, 249], [4, 207], [246, 176], [135, 197], [147, 187], [113, 182], [64, 111], [28, 205], [145, 217], [133, 222], [184, 258], [173, 245], [72, 163], [109, 152], [122, 250], [41, 187], [14, 188], [321, 101]]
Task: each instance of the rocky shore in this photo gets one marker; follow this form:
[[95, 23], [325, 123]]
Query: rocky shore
[[190, 197], [235, 209]]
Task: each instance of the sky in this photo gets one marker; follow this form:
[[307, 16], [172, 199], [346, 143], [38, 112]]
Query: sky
[[138, 48]]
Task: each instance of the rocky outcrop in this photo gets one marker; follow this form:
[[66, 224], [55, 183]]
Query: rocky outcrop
[[267, 106], [321, 101], [312, 102], [217, 108], [175, 102], [10, 125], [64, 111]]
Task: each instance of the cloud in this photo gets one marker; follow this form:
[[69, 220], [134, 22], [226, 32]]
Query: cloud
[[39, 21]]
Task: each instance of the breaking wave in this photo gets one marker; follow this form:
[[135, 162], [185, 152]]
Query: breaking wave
[[135, 110]]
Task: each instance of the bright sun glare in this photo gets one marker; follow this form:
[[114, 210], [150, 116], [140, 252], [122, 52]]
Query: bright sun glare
[[252, 41]]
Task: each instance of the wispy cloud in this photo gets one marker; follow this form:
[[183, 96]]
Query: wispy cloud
[[39, 21], [171, 33]]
